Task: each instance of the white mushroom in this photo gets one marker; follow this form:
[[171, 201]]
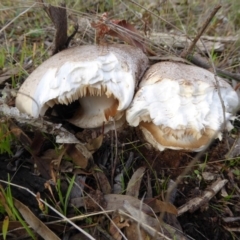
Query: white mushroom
[[101, 78], [178, 106]]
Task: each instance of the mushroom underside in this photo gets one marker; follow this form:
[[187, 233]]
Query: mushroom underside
[[165, 137], [95, 107]]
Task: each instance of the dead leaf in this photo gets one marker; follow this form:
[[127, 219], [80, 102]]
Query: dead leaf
[[232, 229], [103, 182], [23, 138], [116, 201], [94, 144], [80, 155], [209, 176], [122, 30], [133, 232], [20, 135], [235, 149], [95, 200], [135, 182], [120, 223], [40, 203], [149, 193], [160, 206], [37, 142], [44, 163], [35, 222], [153, 226], [50, 162]]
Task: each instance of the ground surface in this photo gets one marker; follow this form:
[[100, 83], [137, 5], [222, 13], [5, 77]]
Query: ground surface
[[26, 37]]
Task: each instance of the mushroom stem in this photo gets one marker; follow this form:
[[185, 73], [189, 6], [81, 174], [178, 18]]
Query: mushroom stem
[[95, 110]]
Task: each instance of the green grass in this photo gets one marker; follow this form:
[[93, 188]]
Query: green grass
[[64, 198], [11, 213], [6, 139]]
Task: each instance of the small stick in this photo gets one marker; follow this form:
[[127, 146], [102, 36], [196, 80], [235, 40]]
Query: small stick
[[208, 194], [205, 25], [114, 163]]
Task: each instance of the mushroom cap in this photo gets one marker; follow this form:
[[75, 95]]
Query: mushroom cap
[[177, 106], [109, 74]]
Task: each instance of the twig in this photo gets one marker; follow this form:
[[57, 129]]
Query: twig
[[114, 160], [205, 25], [197, 202]]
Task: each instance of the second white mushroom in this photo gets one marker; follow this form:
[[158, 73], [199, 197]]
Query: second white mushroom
[[178, 106]]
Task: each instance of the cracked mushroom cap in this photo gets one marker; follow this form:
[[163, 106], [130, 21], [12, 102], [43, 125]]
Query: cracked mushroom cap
[[177, 106], [101, 78]]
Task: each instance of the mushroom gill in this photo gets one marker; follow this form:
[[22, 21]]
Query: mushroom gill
[[178, 106], [101, 78]]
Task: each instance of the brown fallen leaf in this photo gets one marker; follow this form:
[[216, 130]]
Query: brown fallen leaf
[[80, 156], [153, 226], [134, 232], [95, 200], [37, 142], [35, 222], [149, 193], [117, 222], [103, 182], [49, 163], [20, 135], [40, 203], [160, 206], [133, 186], [234, 151], [116, 201], [121, 29], [94, 144], [23, 138]]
